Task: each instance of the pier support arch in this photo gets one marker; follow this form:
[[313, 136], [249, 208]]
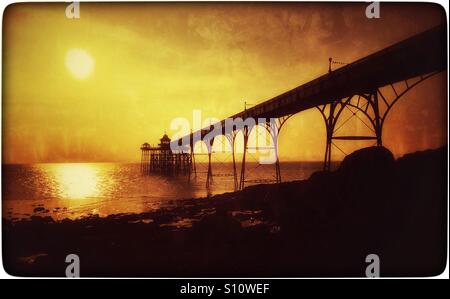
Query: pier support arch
[[373, 105], [273, 127]]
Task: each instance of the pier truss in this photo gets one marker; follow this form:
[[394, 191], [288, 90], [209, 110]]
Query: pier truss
[[371, 109]]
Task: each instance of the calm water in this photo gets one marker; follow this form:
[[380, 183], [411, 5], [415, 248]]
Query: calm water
[[79, 189]]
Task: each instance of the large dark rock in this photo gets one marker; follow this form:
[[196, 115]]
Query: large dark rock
[[367, 179], [367, 163]]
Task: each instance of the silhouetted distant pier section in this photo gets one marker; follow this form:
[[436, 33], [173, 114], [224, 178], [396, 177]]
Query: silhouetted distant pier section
[[163, 160]]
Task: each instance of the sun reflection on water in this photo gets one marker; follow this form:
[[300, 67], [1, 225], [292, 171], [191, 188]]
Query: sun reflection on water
[[73, 190], [75, 181]]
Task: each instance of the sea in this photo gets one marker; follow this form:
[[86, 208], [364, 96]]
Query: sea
[[77, 190]]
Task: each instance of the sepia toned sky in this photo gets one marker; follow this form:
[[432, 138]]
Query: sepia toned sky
[[95, 88]]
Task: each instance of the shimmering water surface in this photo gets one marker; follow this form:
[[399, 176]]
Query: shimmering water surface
[[75, 190]]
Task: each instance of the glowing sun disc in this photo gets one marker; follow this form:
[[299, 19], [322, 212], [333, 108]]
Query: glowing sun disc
[[79, 63]]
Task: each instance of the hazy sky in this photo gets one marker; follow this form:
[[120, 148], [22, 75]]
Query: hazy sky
[[95, 88]]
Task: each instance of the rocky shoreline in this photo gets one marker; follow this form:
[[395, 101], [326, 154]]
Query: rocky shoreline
[[323, 226]]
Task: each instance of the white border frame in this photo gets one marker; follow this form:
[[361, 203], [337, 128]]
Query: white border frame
[[443, 3]]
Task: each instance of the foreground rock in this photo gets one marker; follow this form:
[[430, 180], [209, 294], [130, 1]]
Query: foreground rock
[[324, 226]]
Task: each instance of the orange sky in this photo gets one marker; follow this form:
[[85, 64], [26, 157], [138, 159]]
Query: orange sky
[[152, 63]]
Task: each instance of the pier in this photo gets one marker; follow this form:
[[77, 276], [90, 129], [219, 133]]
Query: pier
[[356, 87], [161, 159]]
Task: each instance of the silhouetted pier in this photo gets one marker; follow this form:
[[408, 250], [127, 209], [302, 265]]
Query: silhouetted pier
[[163, 160], [356, 87]]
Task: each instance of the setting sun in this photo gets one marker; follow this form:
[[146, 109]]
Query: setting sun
[[79, 63]]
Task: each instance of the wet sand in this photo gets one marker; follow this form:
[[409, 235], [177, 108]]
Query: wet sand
[[323, 226]]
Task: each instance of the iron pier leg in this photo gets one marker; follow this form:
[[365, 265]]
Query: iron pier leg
[[376, 110], [242, 178], [209, 176]]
